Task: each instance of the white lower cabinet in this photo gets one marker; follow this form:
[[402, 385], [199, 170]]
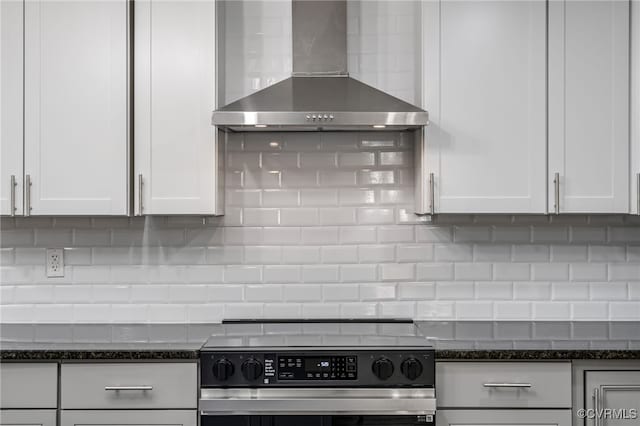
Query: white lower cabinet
[[503, 417], [615, 393], [28, 418], [128, 417]]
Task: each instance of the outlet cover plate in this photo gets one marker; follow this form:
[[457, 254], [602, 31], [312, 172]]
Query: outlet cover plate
[[55, 263]]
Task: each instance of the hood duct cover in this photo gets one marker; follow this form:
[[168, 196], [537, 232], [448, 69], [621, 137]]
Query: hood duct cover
[[320, 95]]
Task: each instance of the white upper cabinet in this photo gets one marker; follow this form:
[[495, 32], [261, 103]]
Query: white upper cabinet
[[635, 105], [589, 106], [176, 152], [484, 70], [76, 107], [11, 20]]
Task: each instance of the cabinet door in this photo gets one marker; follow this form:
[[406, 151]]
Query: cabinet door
[[28, 418], [11, 36], [635, 105], [589, 106], [128, 418], [503, 417], [614, 390], [176, 152], [76, 107], [485, 90]]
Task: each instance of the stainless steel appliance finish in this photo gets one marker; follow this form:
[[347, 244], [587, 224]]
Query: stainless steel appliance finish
[[290, 401], [320, 95], [255, 373]]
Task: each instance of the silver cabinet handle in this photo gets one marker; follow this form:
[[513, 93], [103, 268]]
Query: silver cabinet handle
[[140, 183], [432, 194], [27, 195], [507, 385], [128, 388], [596, 406], [12, 206], [638, 191], [556, 183]]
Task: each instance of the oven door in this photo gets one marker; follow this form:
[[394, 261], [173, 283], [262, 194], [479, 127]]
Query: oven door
[[284, 420], [317, 406]]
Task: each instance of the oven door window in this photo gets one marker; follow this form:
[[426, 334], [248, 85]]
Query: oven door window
[[314, 421]]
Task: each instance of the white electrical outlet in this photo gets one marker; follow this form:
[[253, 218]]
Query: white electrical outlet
[[55, 263]]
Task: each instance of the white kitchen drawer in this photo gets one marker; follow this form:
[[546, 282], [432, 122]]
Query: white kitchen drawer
[[128, 418], [497, 384], [129, 385], [28, 417], [28, 385]]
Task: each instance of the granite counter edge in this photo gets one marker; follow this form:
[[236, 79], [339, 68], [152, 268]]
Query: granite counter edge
[[441, 355]]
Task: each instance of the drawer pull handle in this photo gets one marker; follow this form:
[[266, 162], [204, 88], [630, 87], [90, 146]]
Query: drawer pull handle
[[128, 388], [507, 385]]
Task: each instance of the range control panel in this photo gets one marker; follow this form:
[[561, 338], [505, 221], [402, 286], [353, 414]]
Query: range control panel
[[368, 368], [317, 367]]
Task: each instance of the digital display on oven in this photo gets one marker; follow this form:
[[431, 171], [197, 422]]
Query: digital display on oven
[[317, 365], [317, 368]]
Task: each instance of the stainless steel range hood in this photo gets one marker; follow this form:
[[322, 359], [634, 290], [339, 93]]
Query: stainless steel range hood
[[320, 95]]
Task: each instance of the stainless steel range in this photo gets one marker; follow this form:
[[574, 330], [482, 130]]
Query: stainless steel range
[[317, 373]]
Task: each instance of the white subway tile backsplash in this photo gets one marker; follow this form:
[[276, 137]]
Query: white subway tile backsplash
[[414, 252], [624, 272], [568, 253], [434, 271], [491, 252], [609, 291], [531, 291], [583, 234], [570, 291], [463, 234], [301, 255], [550, 272], [453, 252], [358, 273], [493, 290], [379, 253], [588, 271], [242, 274], [263, 293], [416, 291], [472, 271], [474, 310], [357, 234], [260, 216], [455, 291], [321, 225], [397, 272], [55, 238], [337, 216], [512, 310], [603, 253], [396, 234], [320, 273], [512, 234]]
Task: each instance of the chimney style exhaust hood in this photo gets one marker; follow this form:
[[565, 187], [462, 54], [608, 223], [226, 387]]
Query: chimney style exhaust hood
[[320, 95]]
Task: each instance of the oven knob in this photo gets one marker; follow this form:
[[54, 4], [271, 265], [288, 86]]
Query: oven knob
[[382, 368], [223, 369], [251, 369], [411, 368]]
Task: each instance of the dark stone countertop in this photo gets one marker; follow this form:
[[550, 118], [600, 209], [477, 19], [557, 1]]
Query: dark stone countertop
[[454, 340]]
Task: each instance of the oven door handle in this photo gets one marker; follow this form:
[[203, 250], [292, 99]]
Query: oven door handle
[[319, 401]]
